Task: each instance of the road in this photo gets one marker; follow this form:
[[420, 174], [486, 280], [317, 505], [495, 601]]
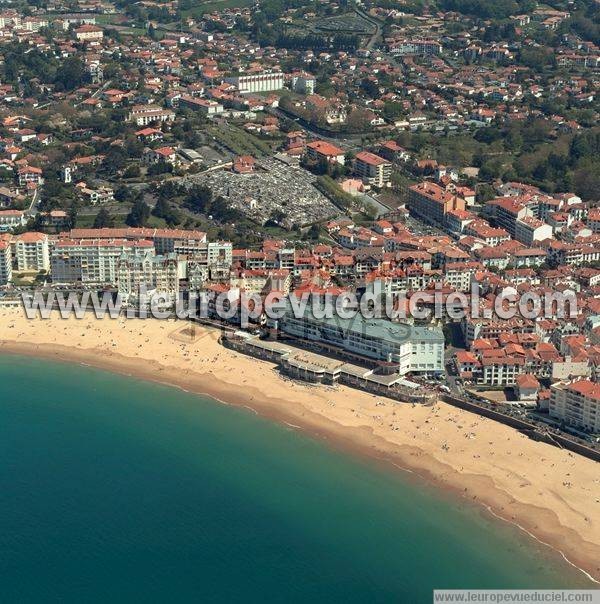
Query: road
[[376, 37]]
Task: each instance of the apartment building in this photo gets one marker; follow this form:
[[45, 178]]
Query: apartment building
[[30, 174], [304, 83], [505, 211], [501, 372], [66, 21], [489, 235], [137, 272], [458, 220], [529, 230], [11, 219], [5, 262], [32, 252], [564, 253], [204, 106], [372, 169], [527, 257], [206, 260], [142, 115], [93, 261], [324, 151], [257, 82], [459, 275], [593, 220], [415, 47], [100, 195], [487, 329], [432, 203], [577, 404], [405, 348], [89, 33], [164, 240]]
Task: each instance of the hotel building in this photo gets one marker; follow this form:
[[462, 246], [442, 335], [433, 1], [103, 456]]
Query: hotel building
[[405, 348]]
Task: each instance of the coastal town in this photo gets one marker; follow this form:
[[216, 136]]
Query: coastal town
[[416, 152]]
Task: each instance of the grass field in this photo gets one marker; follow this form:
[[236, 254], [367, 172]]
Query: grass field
[[239, 141]]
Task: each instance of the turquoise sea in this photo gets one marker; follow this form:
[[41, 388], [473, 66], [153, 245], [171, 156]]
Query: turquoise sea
[[117, 490]]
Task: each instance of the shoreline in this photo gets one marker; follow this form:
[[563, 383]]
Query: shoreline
[[268, 395]]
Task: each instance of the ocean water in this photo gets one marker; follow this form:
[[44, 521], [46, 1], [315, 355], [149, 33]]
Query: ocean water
[[117, 490]]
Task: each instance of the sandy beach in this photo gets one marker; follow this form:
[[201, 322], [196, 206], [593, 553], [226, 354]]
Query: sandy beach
[[552, 494]]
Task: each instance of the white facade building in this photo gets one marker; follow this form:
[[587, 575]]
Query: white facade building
[[32, 252], [257, 82], [576, 404], [93, 261], [10, 219], [5, 263], [157, 274], [408, 348]]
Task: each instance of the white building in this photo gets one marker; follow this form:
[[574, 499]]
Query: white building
[[257, 82], [29, 174], [208, 107], [5, 262], [529, 229], [93, 261], [11, 219], [576, 404], [142, 115], [304, 83], [156, 274], [89, 33], [372, 169], [32, 252], [100, 195], [408, 348]]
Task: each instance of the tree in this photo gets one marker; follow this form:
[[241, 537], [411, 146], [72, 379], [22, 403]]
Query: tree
[[103, 219], [139, 214], [164, 210], [160, 167], [72, 216], [114, 160], [132, 171], [199, 198], [71, 74], [587, 181]]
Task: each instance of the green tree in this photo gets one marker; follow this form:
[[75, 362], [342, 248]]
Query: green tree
[[71, 74], [139, 214], [103, 219]]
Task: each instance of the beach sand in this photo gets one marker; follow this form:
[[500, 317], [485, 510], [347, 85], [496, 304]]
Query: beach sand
[[552, 494]]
